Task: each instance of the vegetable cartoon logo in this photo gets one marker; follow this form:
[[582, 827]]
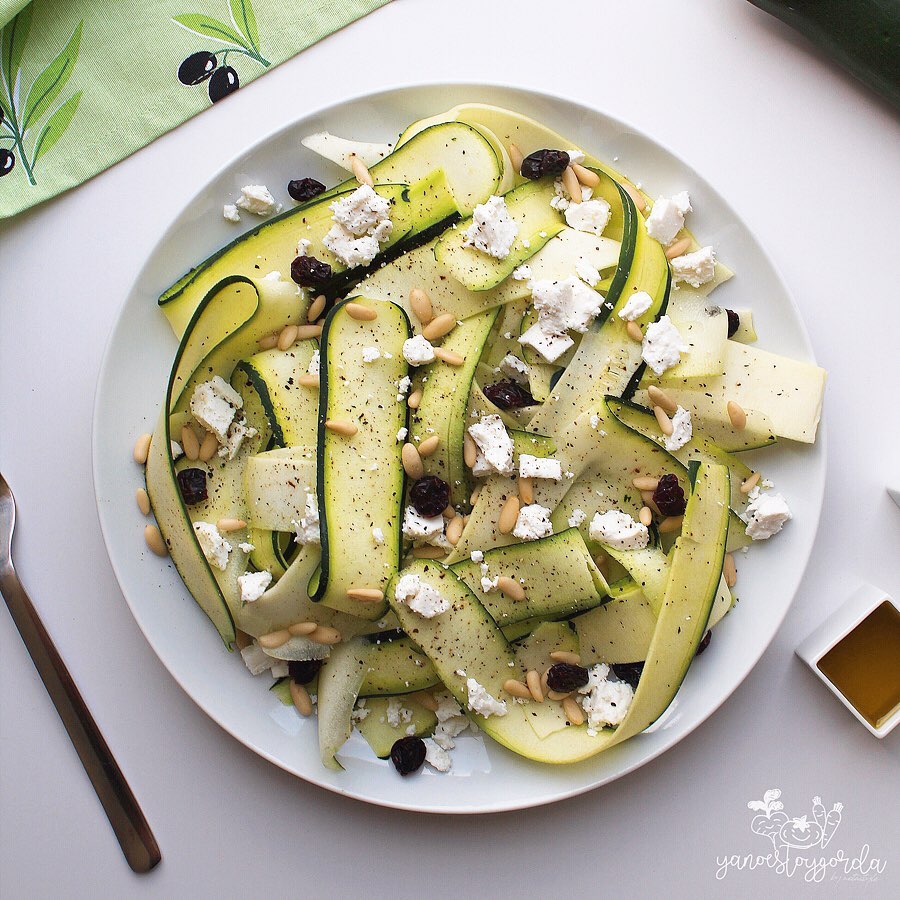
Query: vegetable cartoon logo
[[799, 833]]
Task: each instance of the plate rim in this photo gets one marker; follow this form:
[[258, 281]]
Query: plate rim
[[820, 446]]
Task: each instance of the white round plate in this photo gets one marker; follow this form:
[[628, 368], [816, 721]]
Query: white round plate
[[486, 777]]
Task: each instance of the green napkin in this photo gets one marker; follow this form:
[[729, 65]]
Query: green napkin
[[85, 83]]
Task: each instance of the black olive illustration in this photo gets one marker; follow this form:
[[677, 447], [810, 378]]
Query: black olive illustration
[[224, 81], [197, 67], [7, 161]]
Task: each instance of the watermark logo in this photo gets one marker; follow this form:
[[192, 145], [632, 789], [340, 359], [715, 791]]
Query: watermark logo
[[797, 843]]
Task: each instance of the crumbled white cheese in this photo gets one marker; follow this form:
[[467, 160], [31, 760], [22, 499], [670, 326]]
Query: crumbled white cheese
[[314, 363], [307, 530], [533, 523], [619, 530], [605, 702], [420, 597], [566, 305], [255, 198], [364, 213], [635, 306], [402, 434], [551, 346], [514, 368], [175, 447], [522, 273], [237, 431], [576, 157], [561, 200], [662, 346], [416, 526], [539, 467], [396, 713], [587, 273], [370, 354], [215, 548], [682, 430], [359, 713], [766, 514], [256, 659], [451, 721], [476, 556], [214, 404], [591, 216], [417, 351], [666, 218], [403, 386], [351, 251], [378, 535], [272, 276], [695, 268], [578, 517], [482, 702], [230, 213], [246, 546], [494, 443], [436, 756], [492, 230], [253, 585], [303, 245]]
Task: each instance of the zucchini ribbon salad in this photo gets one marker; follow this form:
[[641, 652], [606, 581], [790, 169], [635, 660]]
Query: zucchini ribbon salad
[[454, 446]]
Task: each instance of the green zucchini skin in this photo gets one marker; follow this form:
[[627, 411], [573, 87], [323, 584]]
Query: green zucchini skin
[[862, 36]]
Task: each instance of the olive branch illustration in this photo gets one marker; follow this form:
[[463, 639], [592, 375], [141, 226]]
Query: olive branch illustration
[[18, 119], [241, 36]]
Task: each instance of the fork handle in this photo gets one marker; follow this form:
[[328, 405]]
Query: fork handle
[[128, 822]]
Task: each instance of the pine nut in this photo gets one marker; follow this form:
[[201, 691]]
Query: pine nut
[[143, 501], [465, 519], [412, 461], [678, 248], [516, 158], [545, 687], [635, 195], [325, 634], [729, 570], [645, 483], [415, 399], [647, 497], [470, 450], [305, 332], [428, 552], [449, 357], [658, 397], [517, 689], [208, 447], [737, 415], [307, 380], [230, 524], [670, 524], [142, 449], [287, 337], [242, 640], [274, 639], [645, 516], [367, 595], [473, 497], [301, 629], [301, 699], [526, 491], [155, 542], [750, 483], [454, 530], [339, 426], [509, 514], [189, 443], [429, 445], [585, 176], [665, 423], [633, 330], [360, 172], [316, 309], [421, 306], [565, 656], [558, 695], [439, 326], [268, 342], [361, 313], [571, 184], [574, 713], [426, 699], [533, 680], [449, 513], [510, 587]]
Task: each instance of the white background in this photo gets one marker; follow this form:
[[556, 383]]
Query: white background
[[808, 158]]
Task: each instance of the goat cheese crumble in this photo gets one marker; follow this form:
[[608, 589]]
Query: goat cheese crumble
[[482, 702], [313, 368], [417, 351], [307, 530], [215, 548], [539, 467], [578, 517], [521, 273], [662, 346], [361, 223], [682, 430], [256, 199], [566, 305], [214, 404], [605, 702], [417, 526], [591, 216], [695, 268], [619, 530], [766, 514], [635, 306], [253, 585], [587, 273], [666, 218], [494, 444], [533, 523], [370, 354], [514, 368], [378, 535], [436, 756], [492, 230], [230, 213], [420, 597]]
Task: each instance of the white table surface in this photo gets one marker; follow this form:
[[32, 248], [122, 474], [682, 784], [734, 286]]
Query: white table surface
[[808, 158]]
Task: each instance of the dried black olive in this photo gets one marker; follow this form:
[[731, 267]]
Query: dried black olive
[[224, 81], [629, 672], [408, 754], [669, 497], [565, 677], [302, 671], [303, 189], [192, 483], [508, 395], [734, 322], [308, 271], [704, 643], [197, 67], [430, 495], [544, 162]]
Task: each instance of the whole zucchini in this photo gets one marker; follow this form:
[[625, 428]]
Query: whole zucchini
[[863, 36]]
